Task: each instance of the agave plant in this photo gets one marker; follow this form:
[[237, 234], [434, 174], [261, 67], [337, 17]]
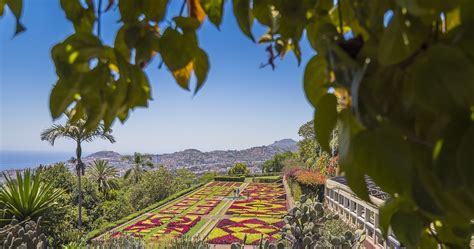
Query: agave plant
[[26, 197]]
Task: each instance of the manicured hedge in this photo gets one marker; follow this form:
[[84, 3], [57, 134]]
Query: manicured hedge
[[264, 174], [230, 178], [91, 235], [267, 179]]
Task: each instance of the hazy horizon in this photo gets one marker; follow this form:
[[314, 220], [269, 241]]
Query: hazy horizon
[[240, 106]]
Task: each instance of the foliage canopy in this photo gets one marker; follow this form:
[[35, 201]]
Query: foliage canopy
[[401, 72]]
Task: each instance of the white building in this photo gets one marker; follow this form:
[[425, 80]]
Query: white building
[[358, 213]]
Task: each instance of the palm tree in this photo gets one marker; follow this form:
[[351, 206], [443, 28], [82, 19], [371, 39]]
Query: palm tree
[[77, 131], [140, 166], [26, 196], [104, 174]]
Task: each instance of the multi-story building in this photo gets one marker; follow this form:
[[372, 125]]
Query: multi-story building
[[358, 213]]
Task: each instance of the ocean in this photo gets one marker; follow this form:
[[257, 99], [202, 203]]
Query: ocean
[[30, 159]]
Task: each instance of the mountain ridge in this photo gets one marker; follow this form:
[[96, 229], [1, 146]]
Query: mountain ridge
[[199, 161]]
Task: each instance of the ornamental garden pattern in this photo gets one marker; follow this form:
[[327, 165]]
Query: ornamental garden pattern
[[216, 214]]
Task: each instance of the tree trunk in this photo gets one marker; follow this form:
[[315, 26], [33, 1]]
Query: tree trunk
[[79, 172]]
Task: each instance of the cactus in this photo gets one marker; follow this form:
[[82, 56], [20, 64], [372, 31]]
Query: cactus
[[24, 235], [304, 228]]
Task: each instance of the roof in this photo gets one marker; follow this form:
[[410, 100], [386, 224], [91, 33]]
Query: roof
[[372, 188]]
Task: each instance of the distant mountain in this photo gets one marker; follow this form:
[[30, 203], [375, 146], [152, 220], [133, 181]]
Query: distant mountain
[[105, 154], [286, 144], [200, 162]]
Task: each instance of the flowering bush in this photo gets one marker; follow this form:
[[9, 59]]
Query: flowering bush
[[309, 177]]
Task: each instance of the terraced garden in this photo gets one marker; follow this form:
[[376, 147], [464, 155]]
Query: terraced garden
[[212, 213]]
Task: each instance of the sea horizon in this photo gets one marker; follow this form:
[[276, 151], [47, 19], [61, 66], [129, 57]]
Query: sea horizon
[[15, 159]]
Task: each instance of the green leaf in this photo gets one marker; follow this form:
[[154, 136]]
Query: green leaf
[[320, 35], [201, 68], [443, 79], [16, 7], [129, 10], [146, 48], [263, 12], [82, 18], [387, 210], [62, 95], [325, 119], [292, 20], [401, 39], [439, 5], [2, 6], [183, 75], [214, 10], [139, 91], [408, 228], [465, 157], [349, 128], [386, 157], [244, 17], [467, 13], [176, 50], [154, 10], [120, 44], [315, 79], [187, 23]]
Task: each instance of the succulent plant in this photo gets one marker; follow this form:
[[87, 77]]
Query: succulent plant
[[304, 228], [23, 235]]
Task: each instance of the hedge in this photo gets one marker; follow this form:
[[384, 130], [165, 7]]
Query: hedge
[[230, 178], [265, 174], [267, 179], [95, 233]]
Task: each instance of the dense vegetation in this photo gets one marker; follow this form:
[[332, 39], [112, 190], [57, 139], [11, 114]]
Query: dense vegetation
[[239, 169], [101, 204], [398, 77]]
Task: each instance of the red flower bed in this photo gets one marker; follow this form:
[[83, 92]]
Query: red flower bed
[[228, 231]]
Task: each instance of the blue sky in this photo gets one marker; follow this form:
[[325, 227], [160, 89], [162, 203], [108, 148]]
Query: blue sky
[[240, 105]]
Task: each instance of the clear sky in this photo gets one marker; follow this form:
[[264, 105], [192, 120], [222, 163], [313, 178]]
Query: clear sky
[[240, 105]]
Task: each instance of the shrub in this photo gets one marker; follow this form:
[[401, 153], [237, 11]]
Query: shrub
[[267, 179], [230, 178], [310, 178]]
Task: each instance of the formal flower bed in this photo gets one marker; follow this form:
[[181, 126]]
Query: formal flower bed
[[264, 191], [177, 228], [174, 209], [145, 226], [198, 210], [188, 202], [232, 230], [209, 203], [253, 207]]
